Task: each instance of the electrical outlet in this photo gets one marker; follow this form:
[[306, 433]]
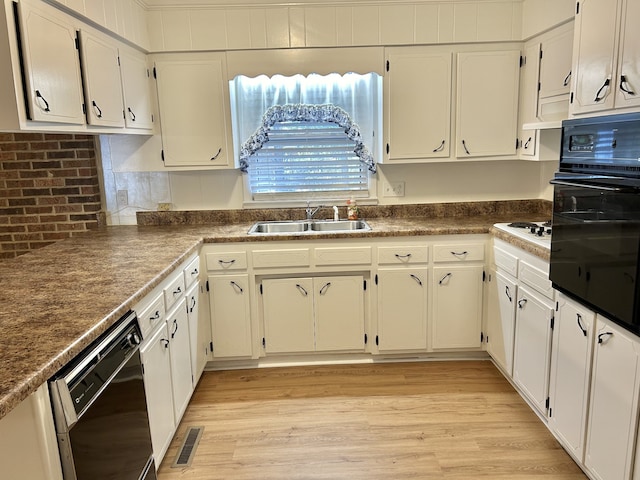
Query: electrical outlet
[[164, 207], [394, 189], [122, 198]]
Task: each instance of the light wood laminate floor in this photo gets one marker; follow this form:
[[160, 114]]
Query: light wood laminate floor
[[432, 420]]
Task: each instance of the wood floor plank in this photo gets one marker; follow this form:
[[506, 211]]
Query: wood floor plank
[[432, 420]]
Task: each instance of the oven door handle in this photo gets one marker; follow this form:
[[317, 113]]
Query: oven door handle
[[589, 185]]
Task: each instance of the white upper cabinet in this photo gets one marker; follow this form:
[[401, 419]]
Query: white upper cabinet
[[193, 99], [417, 103], [555, 67], [487, 103], [52, 66], [606, 56], [138, 110], [101, 74]]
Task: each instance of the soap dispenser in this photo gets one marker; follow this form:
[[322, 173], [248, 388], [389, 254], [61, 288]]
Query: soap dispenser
[[352, 209]]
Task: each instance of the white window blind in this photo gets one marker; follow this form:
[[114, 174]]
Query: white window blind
[[307, 157]]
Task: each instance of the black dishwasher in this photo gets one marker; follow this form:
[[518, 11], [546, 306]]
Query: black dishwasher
[[100, 409]]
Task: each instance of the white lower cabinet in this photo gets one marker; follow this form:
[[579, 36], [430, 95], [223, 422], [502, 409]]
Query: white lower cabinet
[[457, 307], [402, 309], [532, 347], [501, 320], [304, 315], [181, 377], [230, 307], [570, 369], [613, 405], [199, 332], [156, 361]]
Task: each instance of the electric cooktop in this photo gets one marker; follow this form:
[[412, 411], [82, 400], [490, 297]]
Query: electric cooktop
[[538, 233]]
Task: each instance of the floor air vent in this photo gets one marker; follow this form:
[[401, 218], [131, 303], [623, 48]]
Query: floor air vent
[[188, 448]]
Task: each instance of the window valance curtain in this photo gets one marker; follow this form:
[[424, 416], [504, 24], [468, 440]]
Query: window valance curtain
[[359, 96], [305, 113]]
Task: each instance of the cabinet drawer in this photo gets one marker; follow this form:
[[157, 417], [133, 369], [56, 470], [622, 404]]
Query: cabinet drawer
[[227, 261], [403, 255], [506, 261], [151, 316], [192, 272], [174, 291], [460, 252], [343, 256], [298, 257], [535, 278]]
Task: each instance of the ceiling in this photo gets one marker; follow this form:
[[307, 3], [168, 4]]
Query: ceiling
[[243, 3]]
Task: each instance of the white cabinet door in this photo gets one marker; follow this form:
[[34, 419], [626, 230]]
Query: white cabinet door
[[402, 309], [487, 103], [457, 307], [136, 87], [156, 360], [529, 98], [52, 66], [199, 333], [570, 371], [418, 103], [102, 87], [555, 67], [594, 55], [181, 376], [628, 80], [193, 100], [501, 321], [339, 313], [230, 309], [613, 406], [288, 315], [532, 348]]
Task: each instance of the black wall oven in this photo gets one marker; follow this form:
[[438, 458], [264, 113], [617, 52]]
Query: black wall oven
[[595, 246]]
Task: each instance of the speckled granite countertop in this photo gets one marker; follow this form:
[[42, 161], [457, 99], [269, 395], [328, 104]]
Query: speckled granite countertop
[[58, 299]]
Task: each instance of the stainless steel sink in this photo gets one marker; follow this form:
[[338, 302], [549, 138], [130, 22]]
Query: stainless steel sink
[[309, 227]]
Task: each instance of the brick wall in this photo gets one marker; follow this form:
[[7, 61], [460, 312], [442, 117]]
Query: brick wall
[[48, 189]]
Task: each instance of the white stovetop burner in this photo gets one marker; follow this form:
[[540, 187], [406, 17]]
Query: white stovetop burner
[[543, 240]]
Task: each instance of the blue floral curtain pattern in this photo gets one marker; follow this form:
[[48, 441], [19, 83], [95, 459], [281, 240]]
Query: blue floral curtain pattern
[[305, 113]]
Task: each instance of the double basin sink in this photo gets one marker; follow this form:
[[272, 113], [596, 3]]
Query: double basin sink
[[309, 227]]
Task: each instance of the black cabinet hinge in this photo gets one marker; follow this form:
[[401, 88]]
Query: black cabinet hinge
[[484, 276], [162, 154], [155, 74], [207, 285], [557, 306], [148, 75], [539, 86], [486, 339], [211, 346], [546, 403], [84, 109], [540, 54], [77, 42], [118, 60], [571, 99], [517, 143], [387, 149], [365, 338], [142, 365], [550, 412], [365, 285], [523, 61], [577, 8], [377, 340], [260, 289], [387, 65], [264, 343], [481, 337], [553, 321], [376, 279]]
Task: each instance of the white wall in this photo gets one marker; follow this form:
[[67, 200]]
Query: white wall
[[541, 15]]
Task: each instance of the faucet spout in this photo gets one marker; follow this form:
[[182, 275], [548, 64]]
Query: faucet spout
[[311, 211]]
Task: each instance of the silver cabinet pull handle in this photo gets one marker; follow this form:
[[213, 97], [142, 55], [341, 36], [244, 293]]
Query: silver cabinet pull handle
[[217, 154], [508, 294], [302, 289], [522, 303], [419, 282], [324, 289], [444, 278], [604, 337], [579, 318], [236, 286], [459, 254]]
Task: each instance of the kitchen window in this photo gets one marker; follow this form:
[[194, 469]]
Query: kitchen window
[[300, 138]]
